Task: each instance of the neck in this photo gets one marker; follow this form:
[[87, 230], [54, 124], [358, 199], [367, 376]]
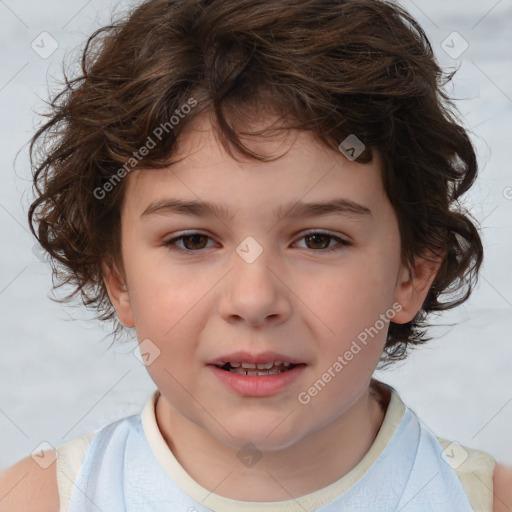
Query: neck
[[318, 460]]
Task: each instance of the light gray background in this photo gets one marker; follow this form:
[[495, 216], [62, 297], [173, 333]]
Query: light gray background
[[58, 378]]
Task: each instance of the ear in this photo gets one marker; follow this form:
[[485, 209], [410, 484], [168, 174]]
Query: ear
[[118, 292], [413, 284]]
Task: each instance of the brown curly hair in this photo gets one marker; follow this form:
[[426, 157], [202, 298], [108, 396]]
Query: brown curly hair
[[331, 67]]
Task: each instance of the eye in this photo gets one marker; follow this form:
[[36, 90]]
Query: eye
[[321, 241], [193, 242]]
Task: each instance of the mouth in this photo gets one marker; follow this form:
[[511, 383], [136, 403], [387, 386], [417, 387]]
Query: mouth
[[257, 369]]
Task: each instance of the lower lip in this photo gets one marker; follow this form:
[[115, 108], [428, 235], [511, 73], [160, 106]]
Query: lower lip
[[258, 385]]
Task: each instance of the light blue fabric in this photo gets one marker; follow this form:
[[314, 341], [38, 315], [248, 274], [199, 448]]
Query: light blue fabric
[[121, 474]]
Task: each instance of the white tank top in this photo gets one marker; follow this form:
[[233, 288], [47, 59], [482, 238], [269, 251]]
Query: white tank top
[[127, 466]]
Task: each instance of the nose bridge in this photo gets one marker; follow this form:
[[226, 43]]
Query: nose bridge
[[253, 292]]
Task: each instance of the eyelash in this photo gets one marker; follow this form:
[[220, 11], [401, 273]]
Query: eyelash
[[173, 247]]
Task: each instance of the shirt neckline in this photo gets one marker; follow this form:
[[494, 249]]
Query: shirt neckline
[[165, 457]]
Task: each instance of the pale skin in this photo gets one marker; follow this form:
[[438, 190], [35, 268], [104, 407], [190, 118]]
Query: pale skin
[[295, 298]]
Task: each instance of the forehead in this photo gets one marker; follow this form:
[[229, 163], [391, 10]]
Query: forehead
[[307, 170]]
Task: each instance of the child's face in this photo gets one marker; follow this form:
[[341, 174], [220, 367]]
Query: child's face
[[296, 298]]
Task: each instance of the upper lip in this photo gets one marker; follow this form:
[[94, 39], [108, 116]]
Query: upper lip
[[259, 358]]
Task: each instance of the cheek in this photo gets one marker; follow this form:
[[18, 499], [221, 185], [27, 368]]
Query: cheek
[[353, 295], [168, 316], [170, 308], [160, 293], [353, 307]]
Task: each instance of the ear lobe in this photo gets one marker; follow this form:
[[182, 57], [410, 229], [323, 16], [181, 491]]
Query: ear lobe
[[413, 285], [118, 293]]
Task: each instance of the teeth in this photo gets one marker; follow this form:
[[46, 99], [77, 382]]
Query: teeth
[[242, 371], [270, 368], [265, 366], [260, 366]]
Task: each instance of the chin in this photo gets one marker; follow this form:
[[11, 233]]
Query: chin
[[267, 434]]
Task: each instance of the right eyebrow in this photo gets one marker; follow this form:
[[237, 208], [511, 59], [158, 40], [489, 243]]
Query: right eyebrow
[[182, 207]]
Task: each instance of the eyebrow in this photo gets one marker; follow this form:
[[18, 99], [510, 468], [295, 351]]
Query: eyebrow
[[296, 209]]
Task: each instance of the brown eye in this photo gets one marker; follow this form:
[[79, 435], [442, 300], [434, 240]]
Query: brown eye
[[319, 240], [190, 243], [196, 241]]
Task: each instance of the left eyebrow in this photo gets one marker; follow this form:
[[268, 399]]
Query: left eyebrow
[[296, 209], [338, 206]]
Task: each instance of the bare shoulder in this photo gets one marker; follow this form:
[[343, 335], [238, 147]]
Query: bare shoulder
[[28, 486], [502, 481]]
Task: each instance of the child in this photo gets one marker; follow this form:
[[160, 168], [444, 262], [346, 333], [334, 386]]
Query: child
[[267, 192]]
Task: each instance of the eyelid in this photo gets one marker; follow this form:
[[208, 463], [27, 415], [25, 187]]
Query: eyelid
[[310, 231], [183, 234], [341, 242], [171, 243], [322, 232]]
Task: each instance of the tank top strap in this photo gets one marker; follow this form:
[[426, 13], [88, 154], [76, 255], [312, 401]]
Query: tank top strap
[[70, 457], [475, 471]]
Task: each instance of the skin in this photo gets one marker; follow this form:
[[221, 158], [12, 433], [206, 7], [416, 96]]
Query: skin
[[291, 299], [294, 298]]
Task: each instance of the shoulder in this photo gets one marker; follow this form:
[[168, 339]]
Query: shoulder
[[502, 483], [28, 486]]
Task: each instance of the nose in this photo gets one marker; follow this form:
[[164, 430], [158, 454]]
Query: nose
[[254, 293]]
